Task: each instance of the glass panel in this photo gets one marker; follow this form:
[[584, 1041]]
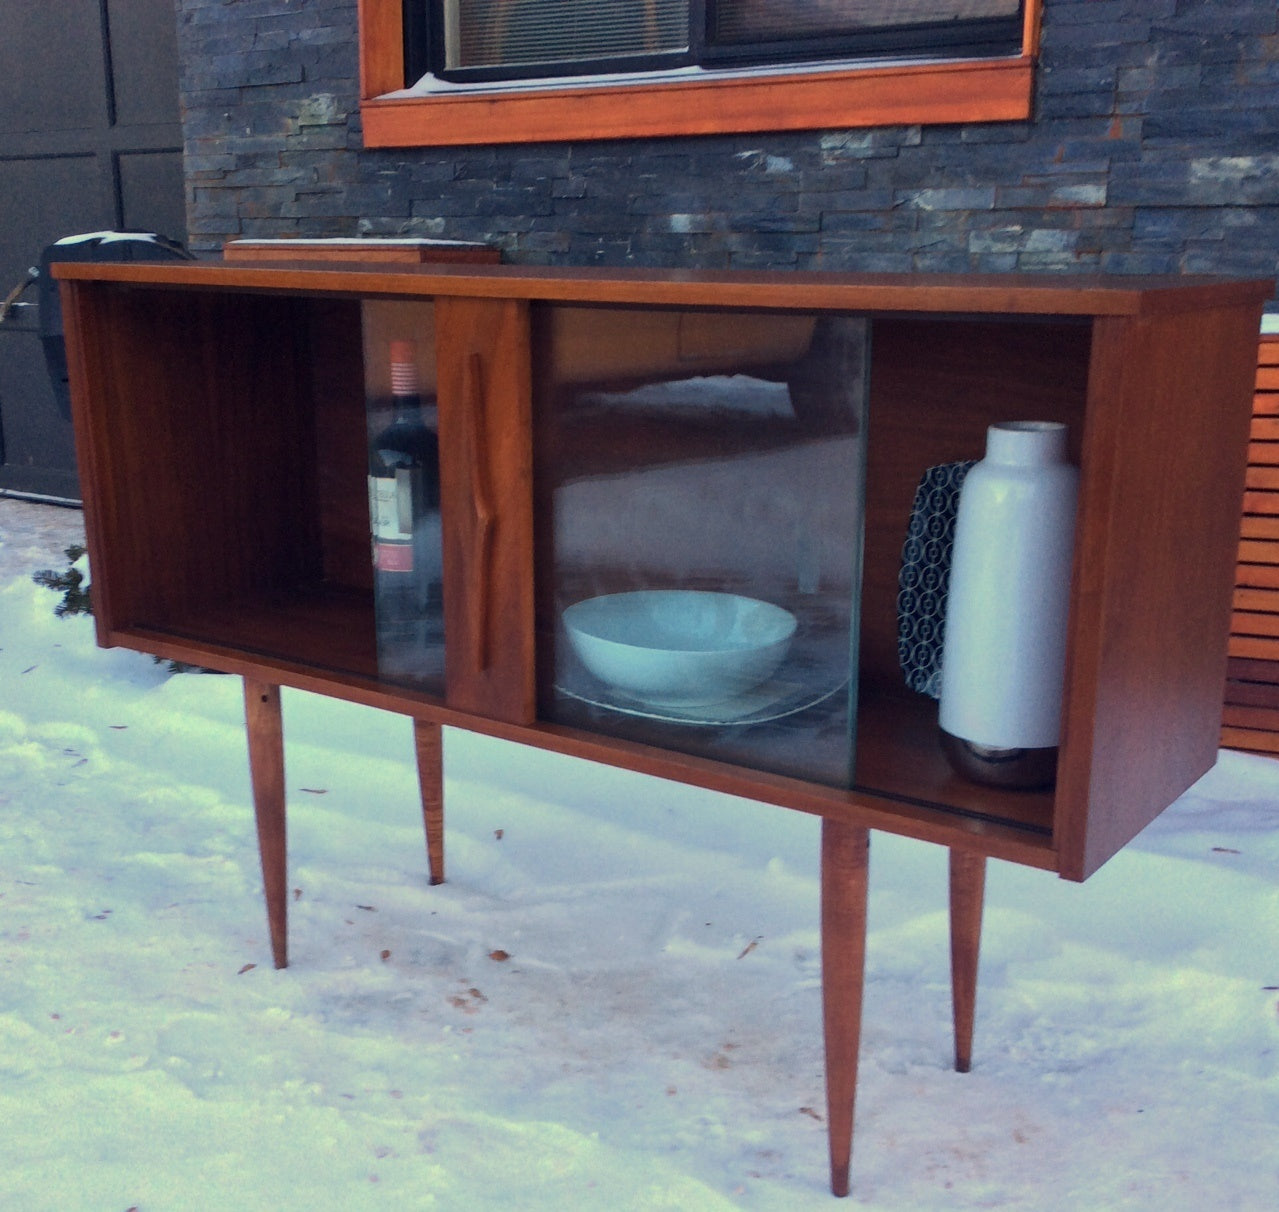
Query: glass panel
[[404, 492], [486, 33], [766, 20], [700, 483]]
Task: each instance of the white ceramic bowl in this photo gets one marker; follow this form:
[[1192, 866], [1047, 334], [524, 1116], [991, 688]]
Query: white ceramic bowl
[[678, 647]]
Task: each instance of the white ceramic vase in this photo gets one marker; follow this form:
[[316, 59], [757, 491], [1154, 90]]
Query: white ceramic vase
[[1004, 653]]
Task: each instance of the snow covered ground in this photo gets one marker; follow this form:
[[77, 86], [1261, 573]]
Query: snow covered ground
[[612, 1004]]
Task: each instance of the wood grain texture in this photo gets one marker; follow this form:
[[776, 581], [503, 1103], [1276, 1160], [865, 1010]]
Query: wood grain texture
[[1162, 478], [335, 385], [328, 629], [929, 821], [993, 294], [1032, 20], [1263, 478], [1265, 600], [1254, 623], [1264, 741], [1252, 679], [1259, 527], [926, 820], [1257, 648], [86, 361], [179, 379], [175, 364], [967, 898], [973, 90], [845, 880], [1246, 672], [899, 755], [936, 409], [485, 405], [428, 742], [381, 33], [1257, 576], [1254, 717], [265, 729], [369, 252], [1260, 501]]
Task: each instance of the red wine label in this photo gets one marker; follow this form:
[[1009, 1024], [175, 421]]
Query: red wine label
[[393, 557]]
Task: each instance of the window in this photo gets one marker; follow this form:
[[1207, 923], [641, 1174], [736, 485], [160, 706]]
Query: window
[[511, 39], [489, 71]]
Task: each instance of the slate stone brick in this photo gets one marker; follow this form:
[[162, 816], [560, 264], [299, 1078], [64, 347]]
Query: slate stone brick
[[1123, 262], [957, 198], [1052, 106], [996, 132], [569, 187], [868, 144], [853, 258], [1085, 79], [1154, 147]]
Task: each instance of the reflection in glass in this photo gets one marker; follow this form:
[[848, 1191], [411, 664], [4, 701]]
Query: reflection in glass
[[699, 496], [404, 494]]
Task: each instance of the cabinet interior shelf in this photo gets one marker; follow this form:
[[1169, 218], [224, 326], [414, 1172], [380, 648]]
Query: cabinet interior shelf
[[317, 626]]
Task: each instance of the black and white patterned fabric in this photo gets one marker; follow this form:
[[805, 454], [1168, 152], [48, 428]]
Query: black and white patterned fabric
[[925, 575]]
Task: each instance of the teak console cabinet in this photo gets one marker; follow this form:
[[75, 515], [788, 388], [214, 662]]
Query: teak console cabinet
[[761, 433]]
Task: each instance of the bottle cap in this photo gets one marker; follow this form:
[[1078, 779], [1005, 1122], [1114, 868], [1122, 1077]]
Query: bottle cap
[[404, 380]]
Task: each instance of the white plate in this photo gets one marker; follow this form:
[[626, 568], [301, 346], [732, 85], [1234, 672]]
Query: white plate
[[772, 701]]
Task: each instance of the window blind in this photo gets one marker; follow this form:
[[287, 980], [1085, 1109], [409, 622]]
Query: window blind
[[513, 33], [772, 20]]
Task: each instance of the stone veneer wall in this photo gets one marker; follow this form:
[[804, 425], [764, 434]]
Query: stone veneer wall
[[1154, 148]]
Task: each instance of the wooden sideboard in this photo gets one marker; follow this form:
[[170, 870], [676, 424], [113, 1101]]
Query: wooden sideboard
[[603, 431]]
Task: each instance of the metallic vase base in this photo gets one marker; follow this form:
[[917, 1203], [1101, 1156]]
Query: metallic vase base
[[1020, 769]]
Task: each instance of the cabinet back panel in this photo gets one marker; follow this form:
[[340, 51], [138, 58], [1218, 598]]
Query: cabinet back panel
[[935, 387], [200, 516], [336, 385]]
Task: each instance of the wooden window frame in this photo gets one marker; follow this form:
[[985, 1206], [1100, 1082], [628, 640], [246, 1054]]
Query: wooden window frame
[[925, 92]]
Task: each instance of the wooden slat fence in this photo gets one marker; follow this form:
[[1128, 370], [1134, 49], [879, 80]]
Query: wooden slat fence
[[1250, 719]]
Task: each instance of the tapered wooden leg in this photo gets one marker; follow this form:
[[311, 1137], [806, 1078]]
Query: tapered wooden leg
[[266, 768], [845, 870], [967, 893], [429, 741]]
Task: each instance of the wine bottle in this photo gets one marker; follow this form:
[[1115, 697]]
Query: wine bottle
[[404, 509]]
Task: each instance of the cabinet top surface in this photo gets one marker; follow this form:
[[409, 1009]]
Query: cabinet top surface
[[1027, 294]]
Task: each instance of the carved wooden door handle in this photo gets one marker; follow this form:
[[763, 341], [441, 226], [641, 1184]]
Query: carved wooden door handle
[[483, 515]]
